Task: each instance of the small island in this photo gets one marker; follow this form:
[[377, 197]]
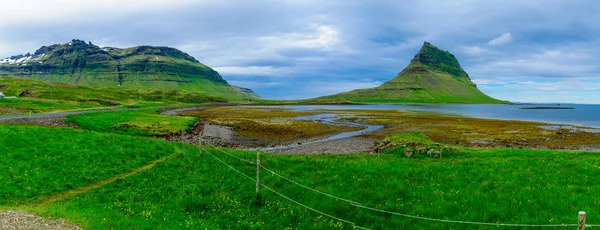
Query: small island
[[547, 107]]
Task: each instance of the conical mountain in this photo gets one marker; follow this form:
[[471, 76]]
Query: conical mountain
[[433, 76], [139, 67]]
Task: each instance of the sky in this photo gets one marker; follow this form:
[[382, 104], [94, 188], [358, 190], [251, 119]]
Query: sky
[[521, 51]]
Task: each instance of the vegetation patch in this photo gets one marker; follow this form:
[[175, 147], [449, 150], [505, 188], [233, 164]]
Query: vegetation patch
[[411, 144], [139, 122]]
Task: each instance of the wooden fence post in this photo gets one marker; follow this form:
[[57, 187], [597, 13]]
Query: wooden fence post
[[581, 225], [257, 173], [199, 144]]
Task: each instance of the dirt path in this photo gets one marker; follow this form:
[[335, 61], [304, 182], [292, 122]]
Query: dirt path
[[75, 192], [42, 121], [11, 219], [22, 220]]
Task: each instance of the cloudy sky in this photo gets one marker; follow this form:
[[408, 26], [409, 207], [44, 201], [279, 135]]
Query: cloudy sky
[[525, 51]]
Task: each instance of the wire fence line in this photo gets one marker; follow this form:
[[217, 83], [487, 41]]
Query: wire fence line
[[290, 199], [231, 155], [285, 178], [309, 188], [358, 205], [466, 222]]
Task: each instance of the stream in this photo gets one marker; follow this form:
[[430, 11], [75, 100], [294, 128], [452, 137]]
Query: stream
[[330, 119]]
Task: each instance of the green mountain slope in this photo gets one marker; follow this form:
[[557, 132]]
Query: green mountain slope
[[141, 67], [433, 76]]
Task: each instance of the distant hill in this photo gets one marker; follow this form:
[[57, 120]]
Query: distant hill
[[140, 67], [433, 76]]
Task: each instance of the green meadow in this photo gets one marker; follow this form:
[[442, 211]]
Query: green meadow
[[36, 162], [175, 186]]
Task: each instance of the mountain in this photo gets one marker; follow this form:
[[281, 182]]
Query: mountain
[[433, 76], [140, 67]]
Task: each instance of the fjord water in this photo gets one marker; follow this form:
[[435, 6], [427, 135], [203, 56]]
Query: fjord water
[[583, 115]]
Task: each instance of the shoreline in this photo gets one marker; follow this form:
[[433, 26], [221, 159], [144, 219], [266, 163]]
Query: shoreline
[[479, 132]]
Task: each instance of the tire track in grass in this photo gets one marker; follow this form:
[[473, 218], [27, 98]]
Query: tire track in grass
[[53, 198]]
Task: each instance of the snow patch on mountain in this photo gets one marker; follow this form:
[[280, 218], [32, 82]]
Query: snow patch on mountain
[[21, 59]]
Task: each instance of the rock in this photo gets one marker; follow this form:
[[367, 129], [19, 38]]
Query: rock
[[408, 153], [422, 150], [433, 153]]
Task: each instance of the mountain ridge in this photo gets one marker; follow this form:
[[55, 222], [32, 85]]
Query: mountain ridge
[[139, 67], [432, 76]]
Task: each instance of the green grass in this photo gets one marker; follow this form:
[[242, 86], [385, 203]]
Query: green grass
[[410, 137], [193, 190], [496, 185], [145, 122], [37, 161]]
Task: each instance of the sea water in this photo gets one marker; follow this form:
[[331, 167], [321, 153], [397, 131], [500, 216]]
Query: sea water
[[581, 115]]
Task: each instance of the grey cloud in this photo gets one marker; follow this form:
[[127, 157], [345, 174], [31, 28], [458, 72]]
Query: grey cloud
[[278, 41]]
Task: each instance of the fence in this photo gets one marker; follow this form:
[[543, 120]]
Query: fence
[[581, 225]]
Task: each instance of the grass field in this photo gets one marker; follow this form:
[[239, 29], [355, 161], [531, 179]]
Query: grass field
[[193, 190], [145, 122], [37, 162]]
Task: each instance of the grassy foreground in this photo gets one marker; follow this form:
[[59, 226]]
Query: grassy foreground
[[36, 162], [193, 190]]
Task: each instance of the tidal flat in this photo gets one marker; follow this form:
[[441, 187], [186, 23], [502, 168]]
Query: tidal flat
[[275, 125]]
